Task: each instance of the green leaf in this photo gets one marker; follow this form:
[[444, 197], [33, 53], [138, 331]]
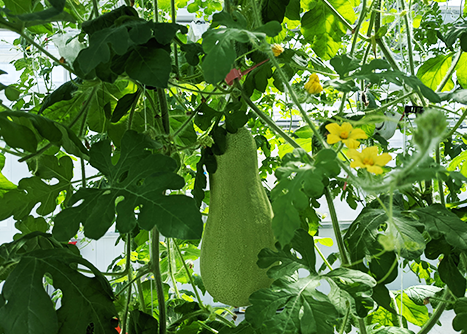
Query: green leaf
[[378, 70], [142, 323], [108, 19], [204, 116], [439, 221], [138, 180], [392, 330], [20, 201], [149, 65], [274, 10], [17, 135], [5, 185], [31, 224], [461, 70], [271, 29], [101, 44], [420, 294], [12, 94], [383, 317], [401, 236], [292, 11], [123, 105], [344, 64], [29, 308], [288, 261], [459, 323], [306, 310], [322, 29], [62, 93], [456, 32], [433, 71], [413, 313], [354, 285], [449, 274], [17, 7], [220, 52]]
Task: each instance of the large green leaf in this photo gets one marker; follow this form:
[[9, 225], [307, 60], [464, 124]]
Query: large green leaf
[[461, 71], [291, 196], [100, 45], [29, 308], [449, 274], [149, 65], [439, 221], [17, 7], [19, 129], [378, 71], [30, 191], [414, 313], [219, 47], [287, 262], [433, 71], [138, 183], [401, 235], [274, 10], [322, 29], [354, 286], [306, 310], [459, 323]]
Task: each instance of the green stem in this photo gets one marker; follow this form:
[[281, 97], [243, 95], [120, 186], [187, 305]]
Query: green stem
[[344, 322], [399, 315], [140, 295], [390, 104], [156, 11], [335, 225], [175, 48], [273, 126], [192, 282], [426, 328], [130, 279], [450, 71], [342, 19], [196, 90], [389, 272], [156, 270], [440, 182], [4, 149], [95, 8], [164, 110], [357, 27], [458, 124], [362, 326], [323, 257], [83, 173], [408, 29], [32, 155], [170, 262]]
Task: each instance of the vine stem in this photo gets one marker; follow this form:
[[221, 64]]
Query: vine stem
[[323, 257], [268, 120], [130, 278], [440, 182], [335, 225], [450, 71], [458, 124], [156, 270], [342, 19], [426, 328], [344, 322], [408, 30], [170, 262], [179, 252]]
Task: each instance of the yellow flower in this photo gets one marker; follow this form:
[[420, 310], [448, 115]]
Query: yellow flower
[[313, 86], [277, 49], [369, 159], [345, 133]]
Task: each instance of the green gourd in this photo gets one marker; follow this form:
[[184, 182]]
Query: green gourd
[[238, 225]]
